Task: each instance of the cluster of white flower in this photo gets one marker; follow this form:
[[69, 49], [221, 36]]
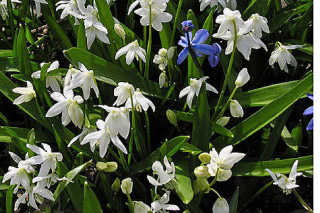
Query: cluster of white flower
[[162, 58], [232, 4], [4, 8], [35, 183]]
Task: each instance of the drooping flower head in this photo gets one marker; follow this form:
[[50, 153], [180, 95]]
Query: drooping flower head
[[187, 26], [132, 50], [52, 81], [27, 94]]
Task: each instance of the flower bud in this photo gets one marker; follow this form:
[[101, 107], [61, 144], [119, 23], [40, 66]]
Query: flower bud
[[162, 79], [187, 26], [126, 186], [204, 157], [170, 52], [223, 121], [107, 167], [116, 185], [201, 172], [243, 77], [163, 52], [220, 206], [236, 109], [171, 117], [199, 185], [119, 30]]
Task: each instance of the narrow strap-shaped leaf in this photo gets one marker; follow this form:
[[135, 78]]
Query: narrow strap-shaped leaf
[[90, 201], [81, 37], [234, 202], [22, 53], [183, 185], [9, 197]]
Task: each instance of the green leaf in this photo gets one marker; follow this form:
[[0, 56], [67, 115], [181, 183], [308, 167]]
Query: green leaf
[[183, 185], [23, 55], [265, 115], [188, 147], [22, 134], [90, 201], [165, 35], [256, 6], [208, 25], [3, 119], [279, 20], [292, 140], [5, 53], [112, 74], [306, 47], [234, 202], [81, 37], [258, 169], [9, 197]]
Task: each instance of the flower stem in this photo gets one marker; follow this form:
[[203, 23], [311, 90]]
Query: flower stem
[[303, 203], [224, 86], [146, 71], [226, 104], [193, 56], [131, 206], [175, 22]]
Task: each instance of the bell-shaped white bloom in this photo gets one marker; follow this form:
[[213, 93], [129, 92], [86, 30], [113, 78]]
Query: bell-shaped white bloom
[[284, 182], [132, 50], [194, 89], [223, 162], [231, 4], [119, 30], [69, 106], [164, 176], [283, 56], [117, 121], [220, 206], [227, 21], [161, 204], [211, 3], [103, 138], [123, 91], [72, 72], [27, 93], [86, 80], [141, 207], [70, 7], [38, 5], [243, 78], [31, 193], [49, 179], [18, 175], [126, 186], [162, 79], [139, 102], [45, 157], [236, 109], [4, 9], [257, 24], [85, 131], [52, 81]]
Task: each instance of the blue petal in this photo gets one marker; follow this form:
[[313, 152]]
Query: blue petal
[[217, 48], [187, 26], [183, 42], [182, 56], [310, 125], [200, 36], [308, 111], [310, 96], [204, 48], [213, 60], [197, 53], [188, 35]]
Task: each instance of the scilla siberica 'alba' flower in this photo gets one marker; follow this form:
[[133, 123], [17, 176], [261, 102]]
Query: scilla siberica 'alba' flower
[[52, 81], [70, 7], [45, 157], [194, 89], [123, 91], [18, 175], [161, 204], [220, 206], [286, 183], [309, 111], [243, 78], [164, 176], [257, 24], [223, 162], [68, 105], [283, 56], [126, 186], [27, 93], [141, 207], [103, 138], [86, 80], [212, 3], [38, 6], [4, 9], [227, 21], [139, 102], [71, 73], [132, 50], [85, 131], [236, 109], [162, 79]]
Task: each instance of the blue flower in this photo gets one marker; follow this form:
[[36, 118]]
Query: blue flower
[[187, 26], [214, 57], [309, 111]]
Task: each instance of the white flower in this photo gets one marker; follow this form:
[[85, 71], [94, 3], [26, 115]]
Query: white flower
[[45, 157], [103, 137], [212, 3], [132, 50], [72, 72], [161, 204], [164, 176], [194, 89], [258, 24], [70, 7], [52, 81], [68, 105], [18, 175], [86, 80], [123, 91], [117, 121], [38, 6], [126, 186], [226, 21], [232, 4], [85, 131], [141, 207], [220, 206], [162, 79], [243, 78], [139, 101], [223, 161], [3, 8], [236, 109], [286, 184], [283, 56], [27, 93]]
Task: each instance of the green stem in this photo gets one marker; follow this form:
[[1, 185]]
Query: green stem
[[148, 131], [226, 104], [131, 206], [303, 203], [257, 194], [193, 56], [146, 71], [224, 86], [175, 23]]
